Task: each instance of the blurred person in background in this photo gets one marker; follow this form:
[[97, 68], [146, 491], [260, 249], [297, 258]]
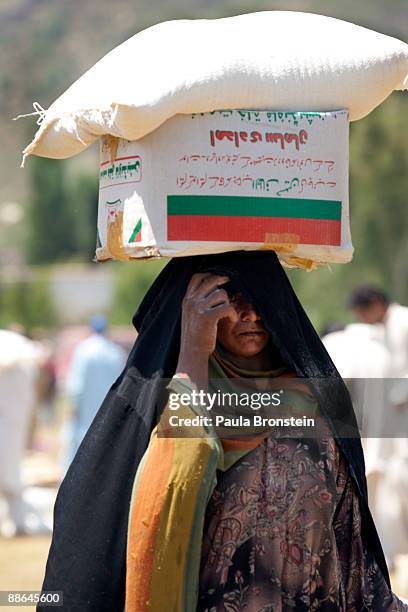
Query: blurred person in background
[[96, 364], [44, 411], [363, 360], [47, 380], [359, 353], [372, 306], [19, 365]]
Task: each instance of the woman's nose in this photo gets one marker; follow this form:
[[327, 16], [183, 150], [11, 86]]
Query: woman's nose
[[248, 312]]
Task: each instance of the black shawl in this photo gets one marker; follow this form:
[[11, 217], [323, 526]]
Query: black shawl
[[87, 557]]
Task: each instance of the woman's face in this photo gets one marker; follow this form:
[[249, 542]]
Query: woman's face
[[247, 337]]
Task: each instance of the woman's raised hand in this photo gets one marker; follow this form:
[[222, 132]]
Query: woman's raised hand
[[204, 304]]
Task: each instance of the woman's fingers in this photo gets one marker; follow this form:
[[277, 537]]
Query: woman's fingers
[[204, 304], [196, 281], [209, 284], [216, 297], [223, 311]]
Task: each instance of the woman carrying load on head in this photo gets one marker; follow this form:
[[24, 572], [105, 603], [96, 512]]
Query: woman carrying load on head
[[257, 523]]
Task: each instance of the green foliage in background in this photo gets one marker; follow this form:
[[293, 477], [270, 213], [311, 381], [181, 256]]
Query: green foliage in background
[[51, 236], [27, 302], [82, 196], [132, 281], [62, 213]]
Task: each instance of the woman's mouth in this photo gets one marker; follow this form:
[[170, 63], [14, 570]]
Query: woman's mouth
[[252, 333]]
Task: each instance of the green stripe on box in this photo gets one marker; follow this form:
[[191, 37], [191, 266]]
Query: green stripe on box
[[253, 207], [137, 229]]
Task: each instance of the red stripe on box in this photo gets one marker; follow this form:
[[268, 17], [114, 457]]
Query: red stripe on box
[[201, 228]]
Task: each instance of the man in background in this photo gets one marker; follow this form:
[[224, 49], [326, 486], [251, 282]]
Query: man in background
[[96, 364], [19, 367], [372, 306], [363, 360]]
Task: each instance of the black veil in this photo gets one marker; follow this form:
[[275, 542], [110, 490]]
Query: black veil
[[88, 552]]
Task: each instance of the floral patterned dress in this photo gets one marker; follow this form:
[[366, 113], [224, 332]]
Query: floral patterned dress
[[283, 532]]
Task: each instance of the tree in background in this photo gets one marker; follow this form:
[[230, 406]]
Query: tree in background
[[50, 218], [82, 194], [379, 188], [62, 214], [133, 279], [27, 302]]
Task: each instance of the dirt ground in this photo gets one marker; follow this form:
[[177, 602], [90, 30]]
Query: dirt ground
[[23, 558], [22, 562]]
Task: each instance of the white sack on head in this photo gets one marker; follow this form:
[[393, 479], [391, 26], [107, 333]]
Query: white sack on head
[[273, 60]]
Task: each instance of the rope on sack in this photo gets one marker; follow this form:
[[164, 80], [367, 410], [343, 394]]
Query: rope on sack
[[41, 113], [38, 110]]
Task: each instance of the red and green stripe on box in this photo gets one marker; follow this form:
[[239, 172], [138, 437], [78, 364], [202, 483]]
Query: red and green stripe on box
[[250, 219], [136, 235]]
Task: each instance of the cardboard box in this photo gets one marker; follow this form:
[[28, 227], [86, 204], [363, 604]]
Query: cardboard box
[[229, 180]]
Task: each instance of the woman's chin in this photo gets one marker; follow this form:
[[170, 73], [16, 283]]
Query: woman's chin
[[248, 348]]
